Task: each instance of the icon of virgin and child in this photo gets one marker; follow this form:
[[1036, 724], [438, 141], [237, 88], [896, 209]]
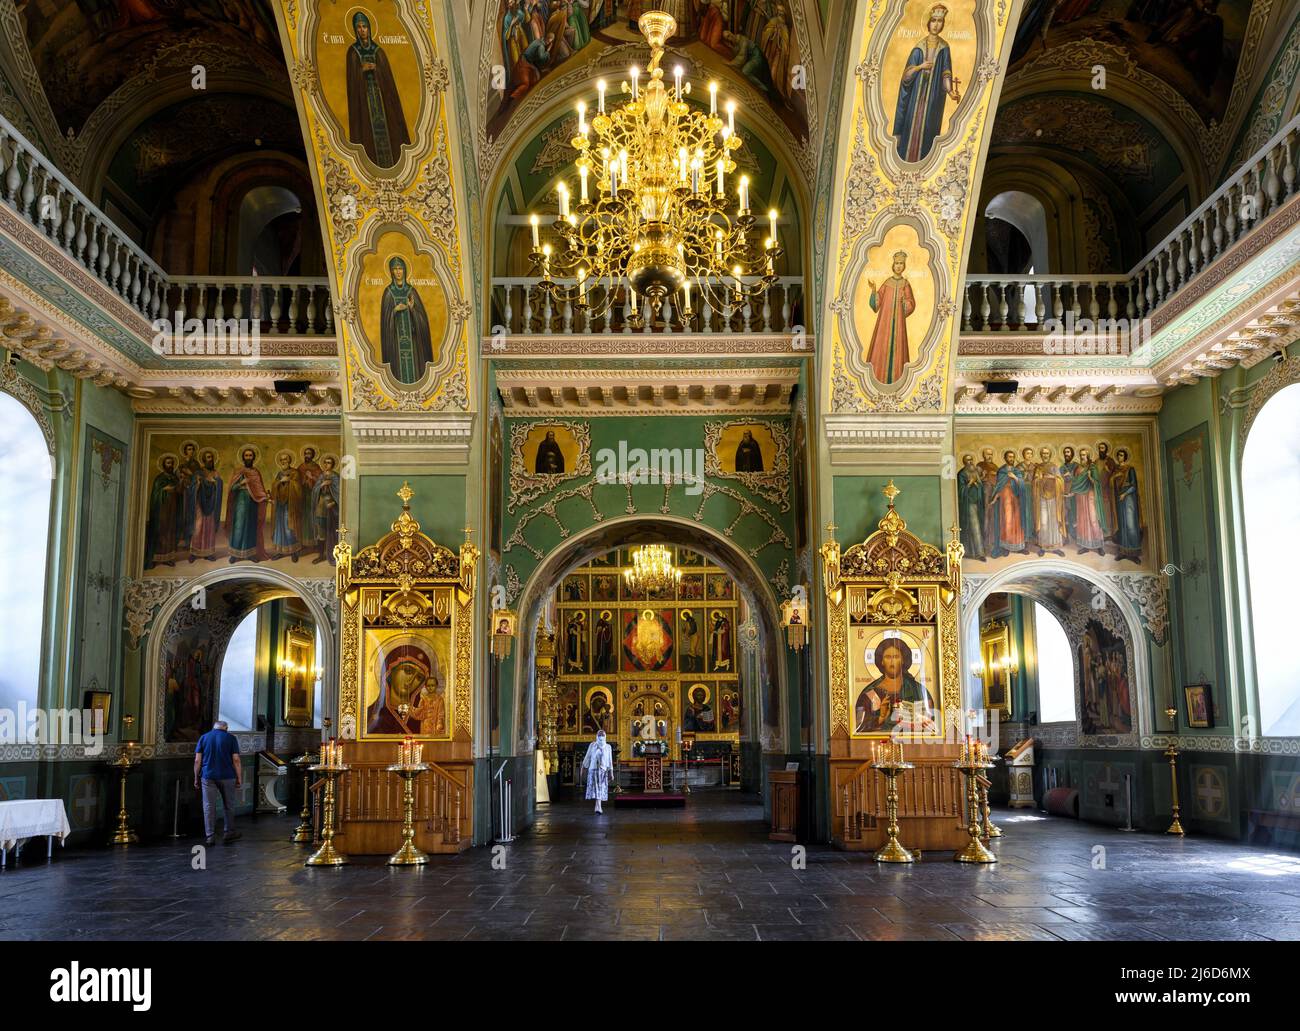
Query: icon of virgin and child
[[895, 698], [412, 695]]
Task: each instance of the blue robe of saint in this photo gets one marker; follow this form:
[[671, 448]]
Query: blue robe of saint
[[918, 116], [1128, 512]]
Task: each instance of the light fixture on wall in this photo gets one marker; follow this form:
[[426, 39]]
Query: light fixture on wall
[[652, 569], [653, 216]]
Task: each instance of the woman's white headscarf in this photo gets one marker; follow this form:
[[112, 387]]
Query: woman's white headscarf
[[599, 755]]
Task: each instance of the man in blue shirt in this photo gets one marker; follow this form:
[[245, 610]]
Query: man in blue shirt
[[216, 761]]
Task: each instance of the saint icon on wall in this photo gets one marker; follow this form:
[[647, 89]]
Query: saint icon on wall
[[749, 456], [375, 118], [405, 343], [892, 301], [550, 459], [926, 86], [411, 677], [895, 696]]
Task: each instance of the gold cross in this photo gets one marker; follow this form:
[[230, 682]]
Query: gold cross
[[406, 494], [891, 492], [467, 531]]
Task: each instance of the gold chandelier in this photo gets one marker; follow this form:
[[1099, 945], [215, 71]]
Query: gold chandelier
[[652, 217], [652, 569]]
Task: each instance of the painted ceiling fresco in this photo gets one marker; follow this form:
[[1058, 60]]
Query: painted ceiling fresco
[[86, 50], [754, 41], [1193, 45]]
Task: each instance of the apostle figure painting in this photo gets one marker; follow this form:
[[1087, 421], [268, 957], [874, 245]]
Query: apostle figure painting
[[371, 79], [1078, 496], [930, 55], [214, 499], [403, 308]]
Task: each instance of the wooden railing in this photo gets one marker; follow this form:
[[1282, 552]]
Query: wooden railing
[[1017, 304], [372, 794], [928, 790]]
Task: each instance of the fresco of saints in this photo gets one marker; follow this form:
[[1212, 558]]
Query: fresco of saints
[[207, 489], [408, 670], [749, 456], [1106, 468], [286, 509], [879, 701], [404, 342], [1068, 469], [774, 41], [893, 303], [1006, 531], [1128, 511], [1049, 504], [166, 509], [699, 714], [720, 642], [747, 57], [713, 23], [575, 643], [1090, 505], [523, 75], [375, 118], [689, 635], [308, 472], [602, 660], [1027, 507], [325, 495], [188, 471], [246, 511], [926, 86], [970, 507], [550, 459]]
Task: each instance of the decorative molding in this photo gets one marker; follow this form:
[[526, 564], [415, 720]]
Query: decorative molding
[[1149, 594], [1283, 374], [641, 345], [141, 601]]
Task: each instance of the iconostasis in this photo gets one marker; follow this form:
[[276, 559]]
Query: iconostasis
[[649, 668]]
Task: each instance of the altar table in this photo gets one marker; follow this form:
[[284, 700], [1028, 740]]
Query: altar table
[[30, 818]]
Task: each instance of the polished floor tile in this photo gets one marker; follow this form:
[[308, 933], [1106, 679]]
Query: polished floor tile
[[705, 873]]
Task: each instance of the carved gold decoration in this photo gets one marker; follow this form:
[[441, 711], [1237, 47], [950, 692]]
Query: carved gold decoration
[[891, 579], [407, 580]]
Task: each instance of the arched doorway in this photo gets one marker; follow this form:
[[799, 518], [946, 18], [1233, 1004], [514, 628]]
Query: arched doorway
[[1109, 651], [760, 647]]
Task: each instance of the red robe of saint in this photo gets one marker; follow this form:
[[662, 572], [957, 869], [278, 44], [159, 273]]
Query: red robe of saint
[[892, 302]]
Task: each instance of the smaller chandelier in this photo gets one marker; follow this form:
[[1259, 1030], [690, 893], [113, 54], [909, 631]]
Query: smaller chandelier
[[652, 569]]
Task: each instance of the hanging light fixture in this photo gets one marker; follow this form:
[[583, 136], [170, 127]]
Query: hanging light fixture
[[652, 569], [658, 212]]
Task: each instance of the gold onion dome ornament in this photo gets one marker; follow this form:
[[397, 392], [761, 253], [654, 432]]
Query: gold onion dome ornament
[[653, 214]]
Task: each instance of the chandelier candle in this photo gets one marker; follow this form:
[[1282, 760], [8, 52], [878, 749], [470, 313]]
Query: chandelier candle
[[659, 215]]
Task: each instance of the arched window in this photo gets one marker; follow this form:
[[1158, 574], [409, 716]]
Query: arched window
[[1055, 669], [24, 526], [239, 675], [1270, 485]]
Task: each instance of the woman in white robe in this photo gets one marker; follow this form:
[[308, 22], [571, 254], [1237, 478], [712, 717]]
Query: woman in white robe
[[598, 768]]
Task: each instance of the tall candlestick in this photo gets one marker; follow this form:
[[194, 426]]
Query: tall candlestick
[[536, 239], [744, 194]]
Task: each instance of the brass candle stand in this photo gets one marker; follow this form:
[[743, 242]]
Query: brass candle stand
[[126, 761], [302, 833], [327, 854], [892, 851], [990, 829], [975, 851], [408, 854], [1172, 754]]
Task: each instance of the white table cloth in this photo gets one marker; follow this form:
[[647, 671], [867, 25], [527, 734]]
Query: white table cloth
[[31, 818]]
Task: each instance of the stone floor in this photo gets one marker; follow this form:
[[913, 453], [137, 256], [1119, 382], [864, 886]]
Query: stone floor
[[706, 872]]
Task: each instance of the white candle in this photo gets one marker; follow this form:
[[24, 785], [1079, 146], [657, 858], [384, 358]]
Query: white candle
[[636, 75], [582, 174], [731, 116], [677, 80], [713, 99], [695, 176], [771, 221], [632, 296], [536, 242], [600, 88], [582, 283], [564, 200], [744, 194], [686, 290], [582, 118]]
